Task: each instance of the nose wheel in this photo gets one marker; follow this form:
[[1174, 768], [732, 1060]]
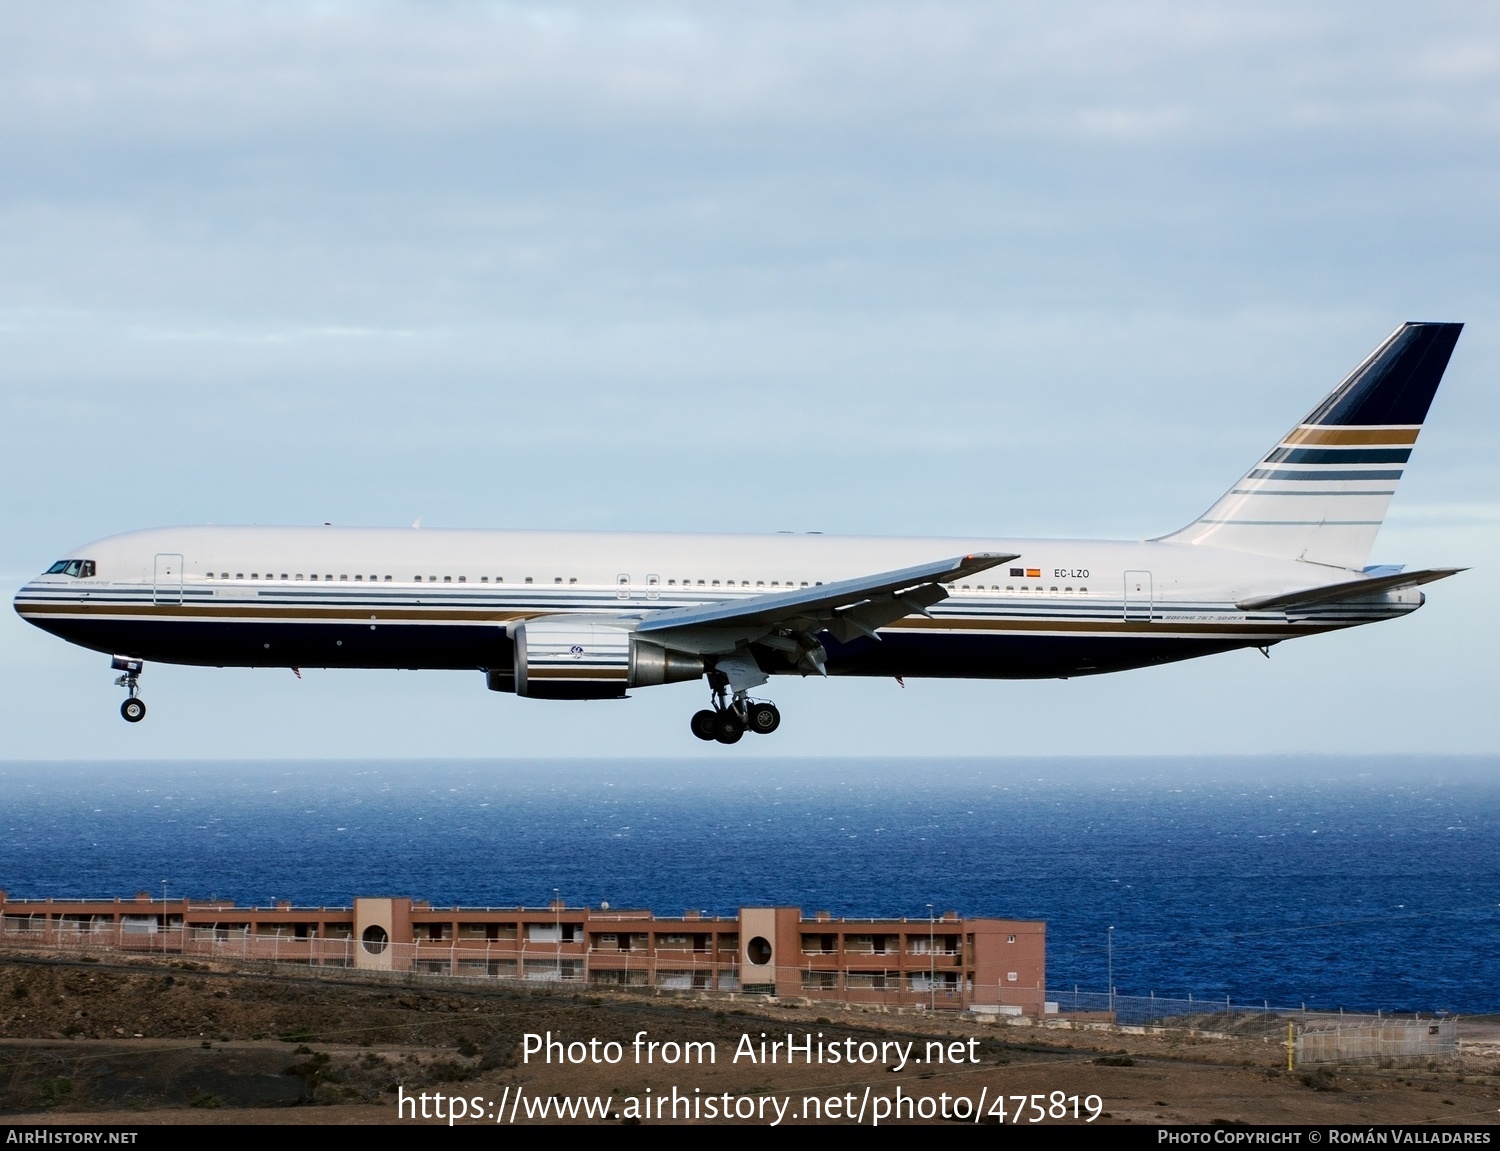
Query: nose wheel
[[134, 708], [728, 720]]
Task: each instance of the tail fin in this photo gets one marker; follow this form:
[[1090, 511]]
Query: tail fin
[[1321, 494]]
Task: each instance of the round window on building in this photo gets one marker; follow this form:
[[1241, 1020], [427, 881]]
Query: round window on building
[[375, 939], [758, 950]]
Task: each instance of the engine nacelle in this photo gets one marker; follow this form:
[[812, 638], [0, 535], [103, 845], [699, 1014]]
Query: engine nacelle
[[579, 659]]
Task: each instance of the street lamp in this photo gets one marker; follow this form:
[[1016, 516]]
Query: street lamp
[[557, 918], [1109, 939], [931, 964], [163, 916]]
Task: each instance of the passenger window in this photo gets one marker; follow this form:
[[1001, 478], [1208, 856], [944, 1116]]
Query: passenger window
[[528, 579], [557, 579], [343, 577], [418, 579], [239, 575], [315, 575], [359, 577], [210, 575], [447, 579], [299, 575], [463, 579], [387, 579], [484, 579]]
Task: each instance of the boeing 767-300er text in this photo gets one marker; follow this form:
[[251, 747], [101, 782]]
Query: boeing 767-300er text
[[566, 615]]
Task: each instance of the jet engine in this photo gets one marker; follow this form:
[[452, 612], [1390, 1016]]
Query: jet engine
[[578, 658]]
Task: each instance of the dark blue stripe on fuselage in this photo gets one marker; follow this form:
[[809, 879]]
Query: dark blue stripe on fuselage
[[955, 655]]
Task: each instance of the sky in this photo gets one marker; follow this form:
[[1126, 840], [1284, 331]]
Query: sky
[[1055, 269]]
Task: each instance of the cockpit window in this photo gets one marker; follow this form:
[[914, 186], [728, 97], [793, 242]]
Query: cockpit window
[[84, 569]]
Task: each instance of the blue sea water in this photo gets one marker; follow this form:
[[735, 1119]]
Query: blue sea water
[[1338, 882]]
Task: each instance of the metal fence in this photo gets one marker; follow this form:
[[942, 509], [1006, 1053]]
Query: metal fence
[[1393, 1040]]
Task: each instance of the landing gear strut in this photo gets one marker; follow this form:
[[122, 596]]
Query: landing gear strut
[[733, 714], [134, 708]]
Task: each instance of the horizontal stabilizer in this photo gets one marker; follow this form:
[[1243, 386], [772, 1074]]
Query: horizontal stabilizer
[[1351, 589]]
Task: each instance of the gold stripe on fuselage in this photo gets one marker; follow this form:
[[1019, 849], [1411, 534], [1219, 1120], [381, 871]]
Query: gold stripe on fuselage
[[1243, 628]]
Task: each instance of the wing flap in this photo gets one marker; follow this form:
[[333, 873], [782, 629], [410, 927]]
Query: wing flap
[[1351, 589]]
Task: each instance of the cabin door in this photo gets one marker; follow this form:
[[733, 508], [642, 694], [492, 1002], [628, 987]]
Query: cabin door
[[168, 585], [1138, 595]]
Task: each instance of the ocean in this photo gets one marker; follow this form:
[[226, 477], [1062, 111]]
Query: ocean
[[1350, 882]]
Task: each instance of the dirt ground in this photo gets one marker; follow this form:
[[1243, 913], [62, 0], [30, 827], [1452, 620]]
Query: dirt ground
[[150, 1040]]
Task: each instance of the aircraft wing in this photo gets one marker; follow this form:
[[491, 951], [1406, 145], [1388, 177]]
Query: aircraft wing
[[1350, 589], [847, 607]]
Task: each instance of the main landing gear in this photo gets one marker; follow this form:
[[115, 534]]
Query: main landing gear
[[134, 708], [732, 716]]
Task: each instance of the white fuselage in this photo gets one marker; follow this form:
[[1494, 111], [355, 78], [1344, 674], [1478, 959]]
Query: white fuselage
[[371, 597]]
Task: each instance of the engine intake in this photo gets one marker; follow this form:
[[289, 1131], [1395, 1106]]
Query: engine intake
[[580, 659]]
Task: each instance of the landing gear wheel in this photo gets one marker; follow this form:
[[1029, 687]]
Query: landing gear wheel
[[763, 718], [705, 724], [727, 727], [133, 710]]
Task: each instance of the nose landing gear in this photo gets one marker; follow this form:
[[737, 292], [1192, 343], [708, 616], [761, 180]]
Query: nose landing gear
[[732, 716], [134, 708]]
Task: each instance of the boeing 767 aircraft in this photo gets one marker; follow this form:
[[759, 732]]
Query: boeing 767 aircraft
[[572, 615]]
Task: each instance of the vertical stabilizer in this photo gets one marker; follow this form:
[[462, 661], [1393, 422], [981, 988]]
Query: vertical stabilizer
[[1321, 494]]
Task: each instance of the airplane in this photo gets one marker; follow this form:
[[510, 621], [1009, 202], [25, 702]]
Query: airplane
[[574, 615]]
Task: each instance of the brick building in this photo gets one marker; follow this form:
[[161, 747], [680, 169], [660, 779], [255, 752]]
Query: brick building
[[945, 962]]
